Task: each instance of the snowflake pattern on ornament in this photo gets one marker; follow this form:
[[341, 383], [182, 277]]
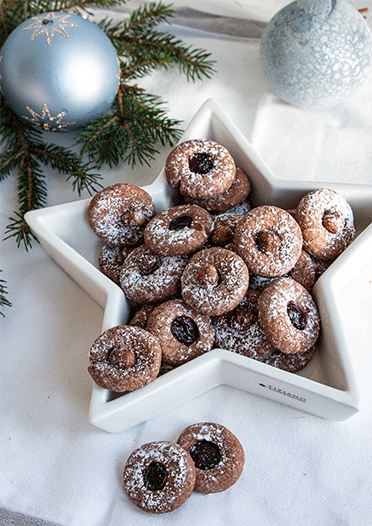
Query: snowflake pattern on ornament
[[42, 23]]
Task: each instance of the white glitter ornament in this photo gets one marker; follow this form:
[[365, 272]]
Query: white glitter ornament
[[316, 53], [58, 71]]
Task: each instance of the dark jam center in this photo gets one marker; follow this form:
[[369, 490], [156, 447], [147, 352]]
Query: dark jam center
[[296, 316], [180, 222], [185, 330], [46, 22], [200, 163], [155, 477], [205, 454]]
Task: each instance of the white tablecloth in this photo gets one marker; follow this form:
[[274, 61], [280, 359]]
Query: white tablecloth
[[299, 469]]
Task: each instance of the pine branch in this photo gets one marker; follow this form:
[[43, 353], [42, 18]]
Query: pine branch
[[67, 163], [142, 48], [25, 154], [130, 132], [4, 302]]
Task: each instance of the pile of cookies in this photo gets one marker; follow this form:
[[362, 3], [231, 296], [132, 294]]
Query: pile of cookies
[[160, 476], [211, 271]]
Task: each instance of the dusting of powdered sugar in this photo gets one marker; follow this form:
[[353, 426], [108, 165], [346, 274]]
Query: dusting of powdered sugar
[[234, 278], [319, 241], [162, 239], [174, 351], [156, 286], [147, 353], [273, 315], [251, 340], [107, 207], [268, 218], [180, 473], [192, 184]]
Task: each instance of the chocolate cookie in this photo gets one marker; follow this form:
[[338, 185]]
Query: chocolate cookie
[[240, 331], [148, 278], [179, 230], [159, 476], [235, 195], [217, 453], [214, 281], [327, 223], [200, 168], [183, 334], [124, 358], [289, 316], [269, 240], [119, 213], [290, 362]]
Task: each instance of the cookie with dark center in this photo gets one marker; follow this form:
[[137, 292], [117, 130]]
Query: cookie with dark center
[[159, 476], [179, 230], [124, 358], [183, 333], [200, 168], [217, 453], [269, 240], [148, 278], [327, 223], [119, 213], [289, 316], [214, 281]]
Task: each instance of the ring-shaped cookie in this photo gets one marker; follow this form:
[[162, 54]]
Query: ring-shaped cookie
[[235, 195], [148, 278], [159, 476], [289, 316], [327, 223], [124, 358], [200, 168], [269, 240], [217, 453], [183, 333], [214, 281], [179, 230], [119, 213]]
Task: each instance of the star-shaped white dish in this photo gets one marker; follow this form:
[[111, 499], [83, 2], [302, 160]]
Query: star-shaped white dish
[[326, 387]]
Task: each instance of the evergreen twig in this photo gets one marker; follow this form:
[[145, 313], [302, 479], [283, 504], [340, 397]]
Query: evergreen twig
[[131, 132]]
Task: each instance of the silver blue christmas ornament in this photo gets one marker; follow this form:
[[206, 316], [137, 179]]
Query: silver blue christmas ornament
[[316, 53], [58, 71]]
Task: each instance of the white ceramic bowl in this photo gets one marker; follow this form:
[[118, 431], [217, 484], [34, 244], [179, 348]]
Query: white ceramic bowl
[[326, 387]]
